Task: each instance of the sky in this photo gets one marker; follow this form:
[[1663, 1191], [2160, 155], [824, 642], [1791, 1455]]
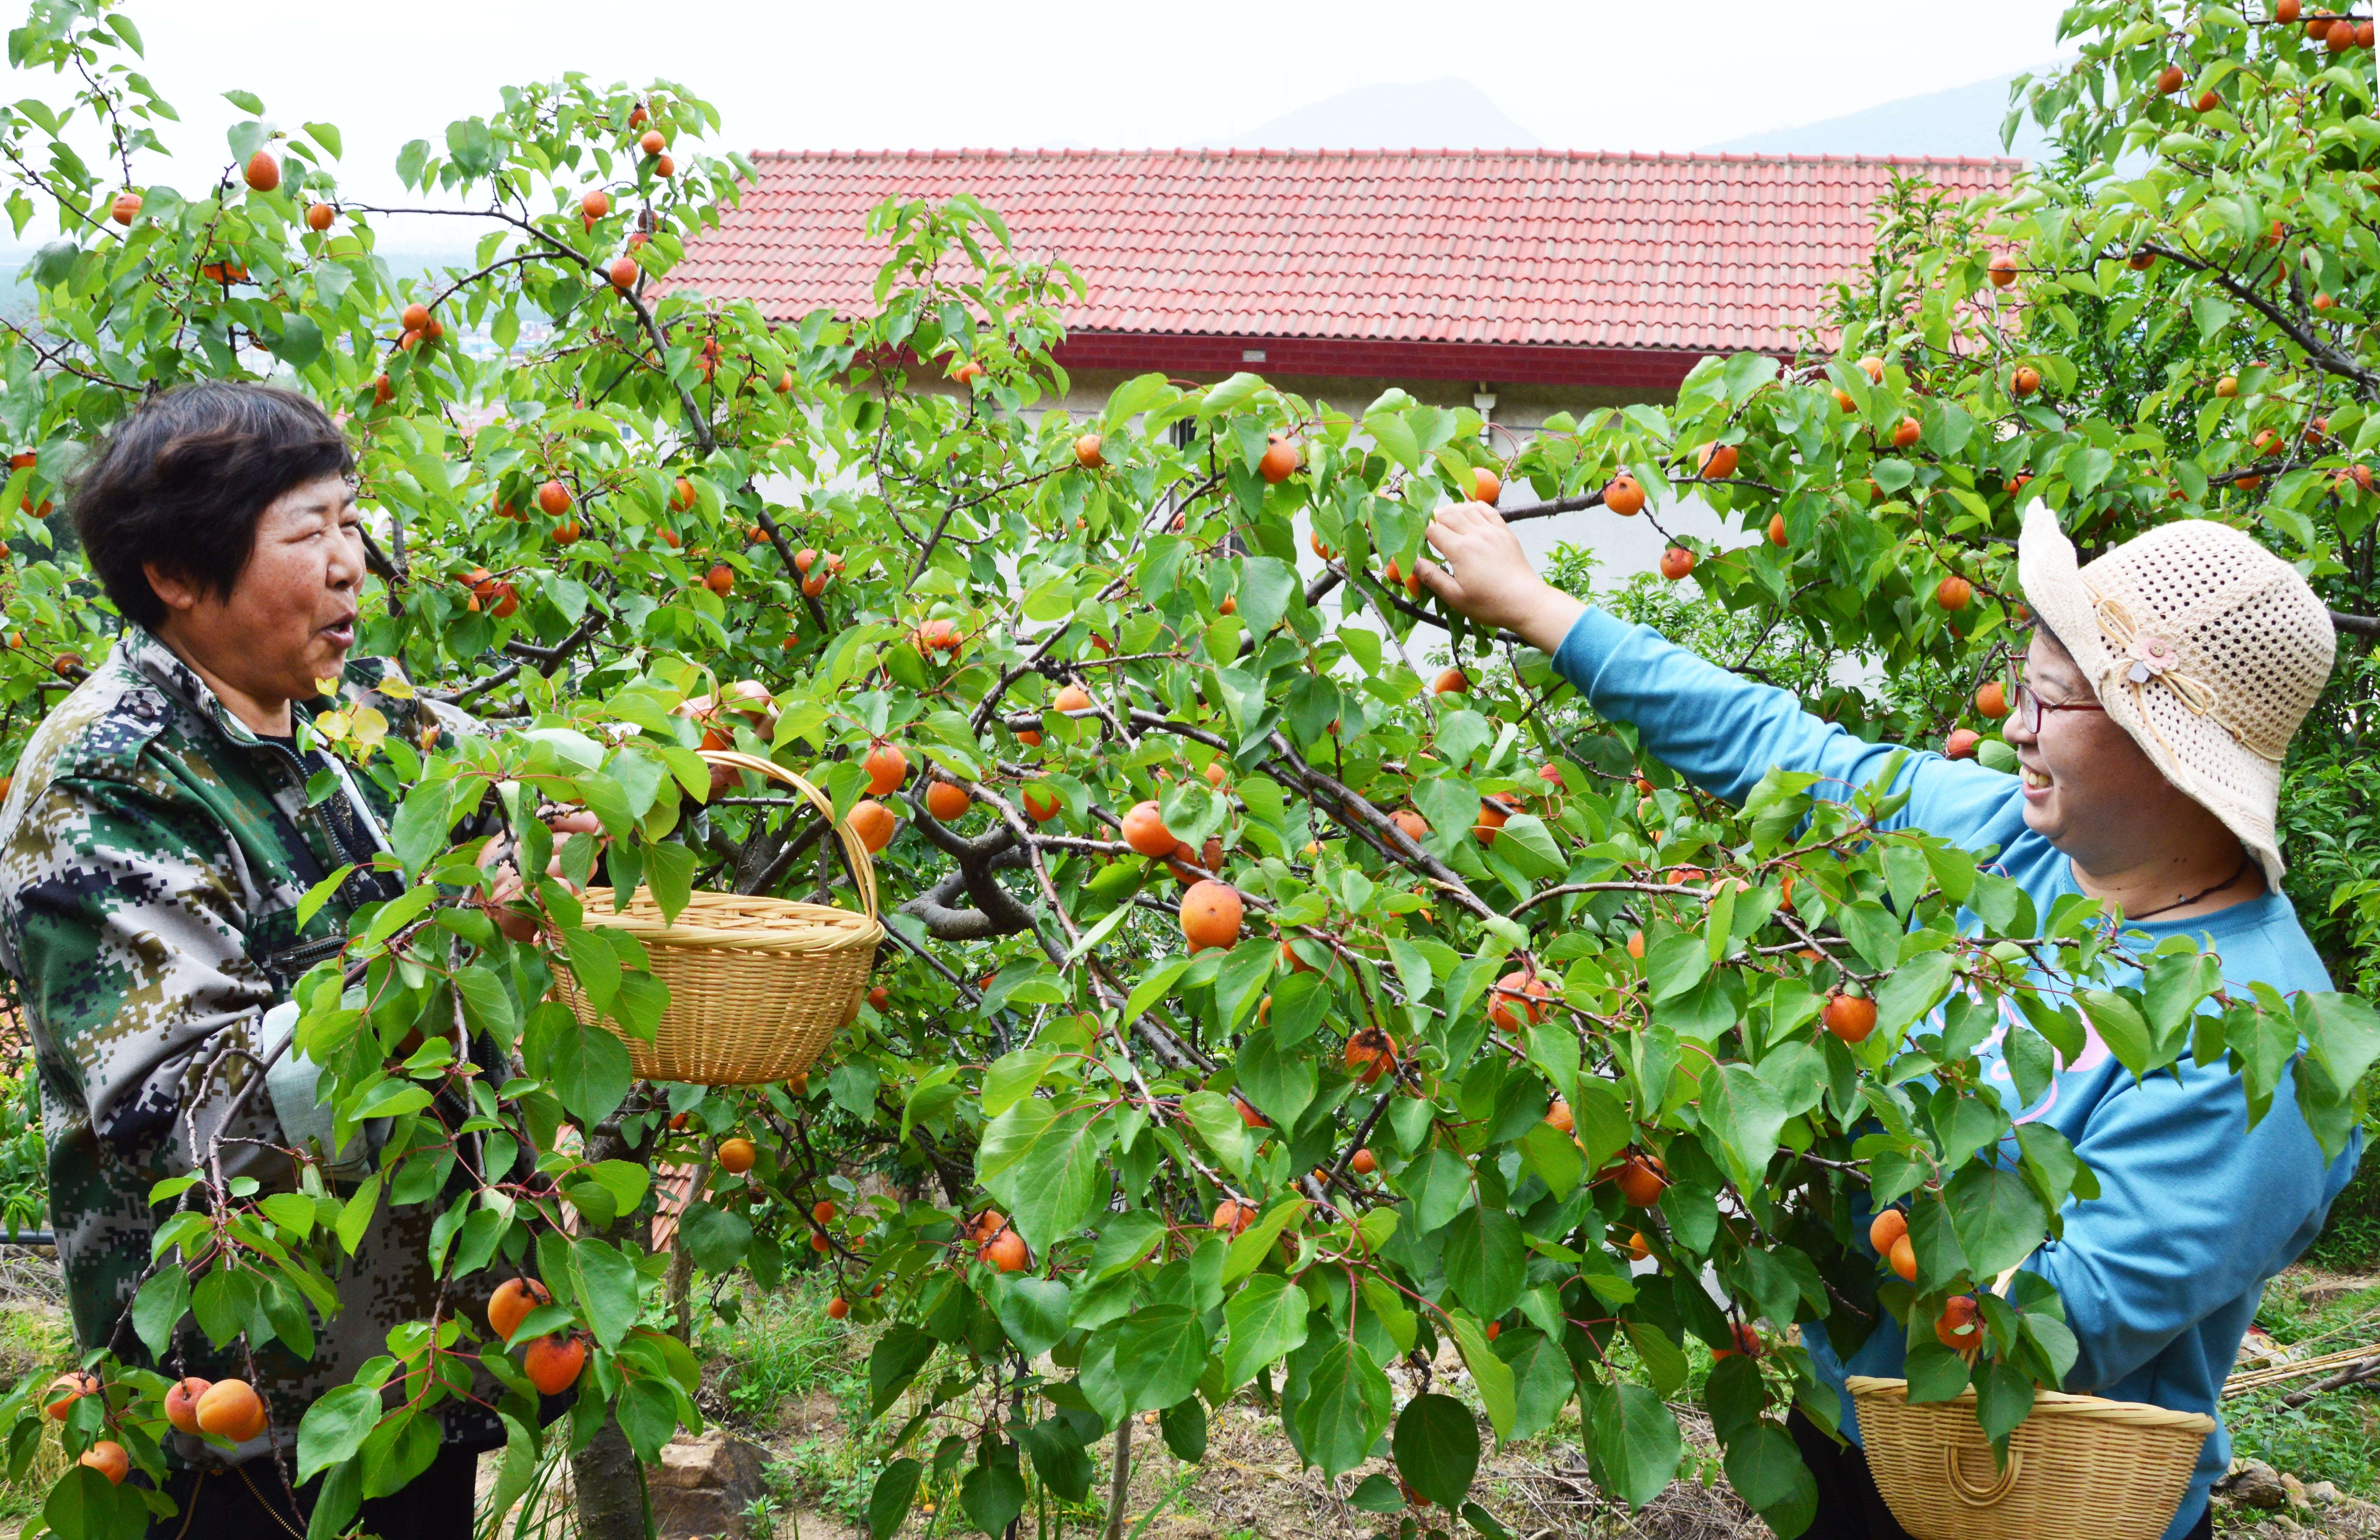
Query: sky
[[1598, 74]]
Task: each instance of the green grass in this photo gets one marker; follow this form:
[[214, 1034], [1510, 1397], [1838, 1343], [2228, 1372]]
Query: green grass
[[782, 1346], [2334, 1437]]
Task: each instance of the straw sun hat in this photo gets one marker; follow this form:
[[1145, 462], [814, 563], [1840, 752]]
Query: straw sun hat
[[2203, 646]]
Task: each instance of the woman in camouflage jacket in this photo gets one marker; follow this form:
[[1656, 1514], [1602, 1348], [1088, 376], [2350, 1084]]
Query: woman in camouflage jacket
[[157, 839]]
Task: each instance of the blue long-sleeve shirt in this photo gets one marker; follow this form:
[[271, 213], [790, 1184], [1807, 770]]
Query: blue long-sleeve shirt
[[2162, 1273]]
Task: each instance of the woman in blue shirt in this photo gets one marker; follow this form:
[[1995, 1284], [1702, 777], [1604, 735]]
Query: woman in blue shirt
[[2157, 699]]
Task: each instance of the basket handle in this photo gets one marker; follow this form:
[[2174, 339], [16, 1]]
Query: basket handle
[[1984, 1493], [854, 851]]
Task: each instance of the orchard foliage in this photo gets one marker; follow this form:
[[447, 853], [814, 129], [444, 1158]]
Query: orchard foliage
[[1502, 1038]]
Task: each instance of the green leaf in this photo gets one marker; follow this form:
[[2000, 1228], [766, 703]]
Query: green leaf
[[327, 136], [1555, 1157], [1747, 1114], [1437, 1448], [1999, 1218], [889, 1500], [1489, 1374], [2121, 1027], [893, 1362], [1161, 1351], [1913, 989], [1263, 1323], [1032, 1311], [1394, 437], [590, 1072], [1046, 1164], [1675, 965], [1249, 1247], [1484, 1264], [1058, 1455], [604, 1280], [1345, 1410], [160, 1306], [1762, 1465], [1636, 1440], [1184, 1427], [335, 1426], [1267, 587], [992, 1493], [1012, 1078]]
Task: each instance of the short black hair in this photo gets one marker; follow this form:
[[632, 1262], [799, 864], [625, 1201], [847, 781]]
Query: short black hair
[[183, 480]]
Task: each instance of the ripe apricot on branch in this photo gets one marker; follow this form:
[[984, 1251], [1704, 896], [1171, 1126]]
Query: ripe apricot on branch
[[1370, 1054], [68, 1389], [107, 1457], [231, 1409], [1961, 744], [1902, 1258], [1642, 1179], [1889, 1225], [1280, 462], [511, 1304], [182, 1402], [1676, 563], [1450, 682], [1006, 1251], [886, 767], [947, 802], [1850, 1017], [2002, 271], [1957, 1328], [1086, 453], [737, 1155], [1365, 1162], [1991, 700], [1233, 1216], [1040, 807], [1716, 461], [1624, 495], [1517, 997], [553, 1363], [837, 1308], [1953, 592], [1494, 812], [1486, 485], [1145, 831], [263, 173], [1211, 914], [874, 823], [2026, 380], [553, 499]]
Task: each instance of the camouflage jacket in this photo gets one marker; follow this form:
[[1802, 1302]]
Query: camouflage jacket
[[153, 853]]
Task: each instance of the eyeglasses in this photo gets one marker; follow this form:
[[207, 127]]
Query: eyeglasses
[[2026, 709]]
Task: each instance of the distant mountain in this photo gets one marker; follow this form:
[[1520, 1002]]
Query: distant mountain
[[1961, 121], [1451, 114]]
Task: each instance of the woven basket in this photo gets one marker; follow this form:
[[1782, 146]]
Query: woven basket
[[2078, 1466], [757, 985]]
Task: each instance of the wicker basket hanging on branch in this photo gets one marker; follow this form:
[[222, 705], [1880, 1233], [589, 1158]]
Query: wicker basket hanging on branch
[[757, 985]]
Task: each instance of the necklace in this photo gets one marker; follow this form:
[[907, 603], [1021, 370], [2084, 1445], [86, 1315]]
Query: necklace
[[2237, 872]]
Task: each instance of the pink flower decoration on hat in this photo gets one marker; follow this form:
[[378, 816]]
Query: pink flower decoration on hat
[[2152, 655]]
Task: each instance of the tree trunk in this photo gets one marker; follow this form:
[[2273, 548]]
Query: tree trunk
[[1120, 1480], [611, 1488], [610, 1485]]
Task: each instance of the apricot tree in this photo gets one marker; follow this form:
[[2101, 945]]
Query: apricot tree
[[1254, 1016]]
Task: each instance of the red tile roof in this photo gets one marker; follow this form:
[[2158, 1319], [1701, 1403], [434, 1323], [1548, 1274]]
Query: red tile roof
[[1510, 248]]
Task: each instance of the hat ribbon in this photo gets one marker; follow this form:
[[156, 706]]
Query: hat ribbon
[[2144, 657]]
